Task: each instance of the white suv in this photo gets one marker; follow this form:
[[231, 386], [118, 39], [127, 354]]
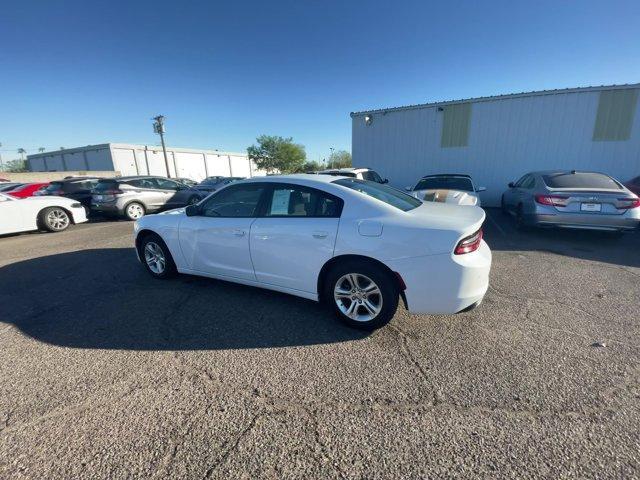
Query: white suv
[[360, 173]]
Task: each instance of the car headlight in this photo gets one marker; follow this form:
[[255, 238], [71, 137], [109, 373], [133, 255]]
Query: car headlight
[[76, 205]]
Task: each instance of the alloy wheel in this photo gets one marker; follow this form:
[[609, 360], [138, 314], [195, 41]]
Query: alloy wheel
[[154, 257], [358, 297], [58, 219]]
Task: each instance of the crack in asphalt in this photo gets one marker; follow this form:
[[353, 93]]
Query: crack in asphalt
[[408, 355], [231, 445], [554, 301]]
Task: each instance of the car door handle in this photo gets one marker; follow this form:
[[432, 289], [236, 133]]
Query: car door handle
[[239, 233], [320, 235]]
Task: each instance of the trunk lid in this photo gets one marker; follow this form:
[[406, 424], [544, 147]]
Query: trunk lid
[[584, 200]]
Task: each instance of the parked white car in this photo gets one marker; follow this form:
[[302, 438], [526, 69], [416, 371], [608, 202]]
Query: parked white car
[[447, 188], [54, 214], [357, 244]]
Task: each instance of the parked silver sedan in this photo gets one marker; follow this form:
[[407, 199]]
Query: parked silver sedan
[[572, 199]]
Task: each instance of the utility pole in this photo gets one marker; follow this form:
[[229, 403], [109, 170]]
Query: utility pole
[[158, 127]]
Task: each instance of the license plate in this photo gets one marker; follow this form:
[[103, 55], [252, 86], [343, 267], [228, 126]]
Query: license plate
[[591, 207]]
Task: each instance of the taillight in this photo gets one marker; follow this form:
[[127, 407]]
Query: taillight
[[626, 203], [553, 200], [469, 244]]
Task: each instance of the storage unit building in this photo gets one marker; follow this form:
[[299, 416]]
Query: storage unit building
[[498, 139], [145, 160]]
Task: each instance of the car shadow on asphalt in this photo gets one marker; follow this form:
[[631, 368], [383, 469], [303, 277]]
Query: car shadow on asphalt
[[103, 298], [501, 234]]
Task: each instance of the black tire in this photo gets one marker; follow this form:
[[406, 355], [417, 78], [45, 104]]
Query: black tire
[[134, 210], [54, 219], [387, 299], [155, 243], [520, 223], [503, 206]]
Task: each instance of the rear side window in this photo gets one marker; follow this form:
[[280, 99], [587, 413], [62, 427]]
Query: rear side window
[[298, 201], [528, 182], [581, 180], [142, 183], [104, 186], [384, 193]]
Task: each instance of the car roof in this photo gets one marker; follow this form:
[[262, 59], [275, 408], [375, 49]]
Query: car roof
[[448, 175], [75, 179]]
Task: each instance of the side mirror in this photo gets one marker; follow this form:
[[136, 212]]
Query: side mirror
[[408, 189], [192, 210], [386, 180], [481, 189], [511, 185]]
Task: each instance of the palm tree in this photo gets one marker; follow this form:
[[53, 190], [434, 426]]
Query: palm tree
[[22, 151]]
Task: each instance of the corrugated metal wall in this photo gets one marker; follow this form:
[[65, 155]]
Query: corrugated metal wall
[[143, 160], [507, 138]]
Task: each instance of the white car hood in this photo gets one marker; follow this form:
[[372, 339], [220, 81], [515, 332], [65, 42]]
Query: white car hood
[[456, 197]]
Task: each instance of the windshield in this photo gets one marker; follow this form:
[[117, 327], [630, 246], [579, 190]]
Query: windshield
[[581, 180], [379, 191], [54, 187], [445, 183]]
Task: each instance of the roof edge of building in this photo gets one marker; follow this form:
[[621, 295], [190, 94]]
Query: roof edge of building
[[103, 146], [498, 97]]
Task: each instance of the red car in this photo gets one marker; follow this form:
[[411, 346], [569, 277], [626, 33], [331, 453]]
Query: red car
[[27, 190], [634, 185]]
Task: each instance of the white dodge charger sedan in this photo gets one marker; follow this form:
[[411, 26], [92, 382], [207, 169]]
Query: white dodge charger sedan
[[34, 213], [356, 244]]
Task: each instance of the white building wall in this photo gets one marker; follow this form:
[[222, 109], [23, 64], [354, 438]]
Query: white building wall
[[507, 138], [144, 160]]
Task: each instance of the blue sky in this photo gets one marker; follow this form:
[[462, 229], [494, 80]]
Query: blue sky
[[76, 73]]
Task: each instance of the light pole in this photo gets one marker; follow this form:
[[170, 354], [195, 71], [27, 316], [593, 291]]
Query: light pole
[[158, 127], [331, 156]]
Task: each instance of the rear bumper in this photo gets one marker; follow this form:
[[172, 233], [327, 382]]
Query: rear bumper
[[446, 283], [106, 207], [584, 221]]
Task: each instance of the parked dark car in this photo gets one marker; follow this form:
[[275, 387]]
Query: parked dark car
[[572, 199], [634, 185], [76, 188], [133, 197], [211, 184], [187, 181]]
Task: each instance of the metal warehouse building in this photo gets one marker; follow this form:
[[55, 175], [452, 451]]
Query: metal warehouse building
[[498, 139], [145, 160]]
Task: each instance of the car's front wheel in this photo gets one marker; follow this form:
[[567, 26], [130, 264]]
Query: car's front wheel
[[156, 257], [361, 294], [54, 219]]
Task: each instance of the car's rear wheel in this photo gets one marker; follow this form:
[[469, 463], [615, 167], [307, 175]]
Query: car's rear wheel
[[361, 294], [134, 211], [54, 219], [156, 257]]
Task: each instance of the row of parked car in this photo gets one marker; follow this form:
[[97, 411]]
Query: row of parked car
[[571, 199], [55, 205]]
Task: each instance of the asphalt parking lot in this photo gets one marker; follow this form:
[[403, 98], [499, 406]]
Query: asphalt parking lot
[[105, 372]]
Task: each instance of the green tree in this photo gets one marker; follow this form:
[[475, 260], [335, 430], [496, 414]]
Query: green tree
[[277, 154], [310, 166], [339, 159], [15, 166]]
